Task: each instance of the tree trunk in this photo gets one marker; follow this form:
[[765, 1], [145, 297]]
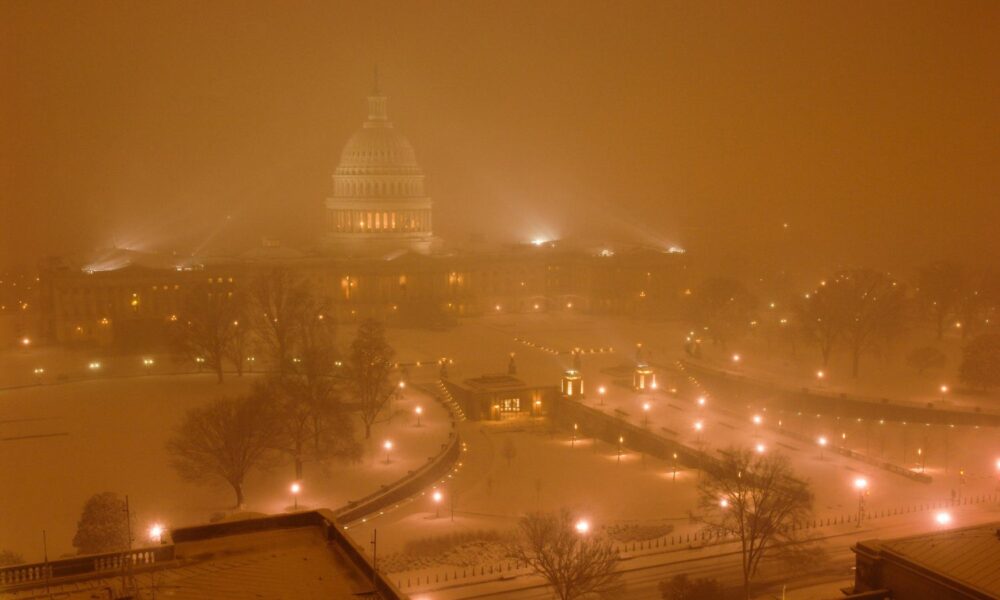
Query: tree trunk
[[298, 468], [218, 372], [368, 430], [238, 488]]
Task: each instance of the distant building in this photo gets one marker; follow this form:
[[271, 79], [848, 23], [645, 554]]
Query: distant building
[[499, 397], [379, 203], [957, 564], [377, 258]]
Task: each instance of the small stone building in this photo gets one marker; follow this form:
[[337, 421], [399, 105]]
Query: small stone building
[[499, 397]]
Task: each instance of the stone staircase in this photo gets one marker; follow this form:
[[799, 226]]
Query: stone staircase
[[439, 391]]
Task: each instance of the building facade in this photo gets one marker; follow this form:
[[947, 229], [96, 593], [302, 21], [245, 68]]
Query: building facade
[[378, 258]]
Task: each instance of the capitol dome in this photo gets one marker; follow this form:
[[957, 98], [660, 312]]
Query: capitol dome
[[379, 202]]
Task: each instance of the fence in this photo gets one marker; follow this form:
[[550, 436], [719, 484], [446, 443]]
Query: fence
[[670, 543]]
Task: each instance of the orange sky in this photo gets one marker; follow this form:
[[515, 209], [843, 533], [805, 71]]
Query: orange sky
[[871, 127]]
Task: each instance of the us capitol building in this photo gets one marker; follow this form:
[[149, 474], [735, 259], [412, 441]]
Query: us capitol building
[[378, 257]]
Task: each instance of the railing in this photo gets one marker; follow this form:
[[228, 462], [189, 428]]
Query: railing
[[853, 405], [32, 575]]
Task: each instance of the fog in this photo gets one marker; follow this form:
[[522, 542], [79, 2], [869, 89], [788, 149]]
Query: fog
[[871, 129]]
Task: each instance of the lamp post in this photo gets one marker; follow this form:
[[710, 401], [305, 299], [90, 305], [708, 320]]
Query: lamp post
[[698, 426], [701, 401], [621, 440], [822, 444], [418, 411], [572, 443], [388, 448], [645, 414], [861, 484], [923, 459], [600, 394], [674, 477], [437, 497], [295, 488], [156, 533]]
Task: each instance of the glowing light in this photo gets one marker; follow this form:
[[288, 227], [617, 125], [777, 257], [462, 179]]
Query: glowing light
[[419, 410], [698, 425], [387, 445], [582, 526], [295, 488], [39, 370], [537, 242], [646, 406], [760, 448], [147, 361], [944, 389], [822, 441], [736, 358], [757, 420], [724, 503], [701, 401], [25, 341], [820, 374], [601, 390], [402, 384], [156, 532], [943, 518], [860, 483], [94, 366], [437, 496]]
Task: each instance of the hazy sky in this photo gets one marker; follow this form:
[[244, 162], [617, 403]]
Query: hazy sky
[[872, 128]]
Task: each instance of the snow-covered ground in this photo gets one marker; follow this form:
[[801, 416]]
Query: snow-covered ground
[[109, 435]]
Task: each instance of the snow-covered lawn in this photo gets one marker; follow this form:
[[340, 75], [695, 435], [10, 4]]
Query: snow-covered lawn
[[109, 435]]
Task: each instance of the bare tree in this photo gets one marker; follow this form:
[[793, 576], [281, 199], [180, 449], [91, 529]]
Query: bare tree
[[224, 440], [207, 331], [279, 298], [724, 306], [241, 334], [508, 451], [872, 310], [311, 424], [756, 499], [820, 319], [981, 362], [942, 288], [369, 370], [576, 564]]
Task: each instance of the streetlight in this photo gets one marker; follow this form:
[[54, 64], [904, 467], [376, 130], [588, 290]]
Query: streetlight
[[698, 426], [572, 443], [701, 401], [621, 440], [645, 413], [760, 448], [943, 389], [295, 489], [923, 459], [419, 411], [943, 517], [582, 526], [675, 468], [156, 533], [388, 447], [822, 444], [724, 503], [402, 385], [600, 393], [147, 362], [736, 358], [861, 484], [437, 497]]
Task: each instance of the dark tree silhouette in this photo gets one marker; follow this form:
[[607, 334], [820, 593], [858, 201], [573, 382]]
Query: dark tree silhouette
[[942, 286], [102, 526], [680, 587], [208, 327], [369, 372], [280, 298], [755, 499], [724, 306], [981, 362], [926, 357], [224, 440], [575, 564]]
